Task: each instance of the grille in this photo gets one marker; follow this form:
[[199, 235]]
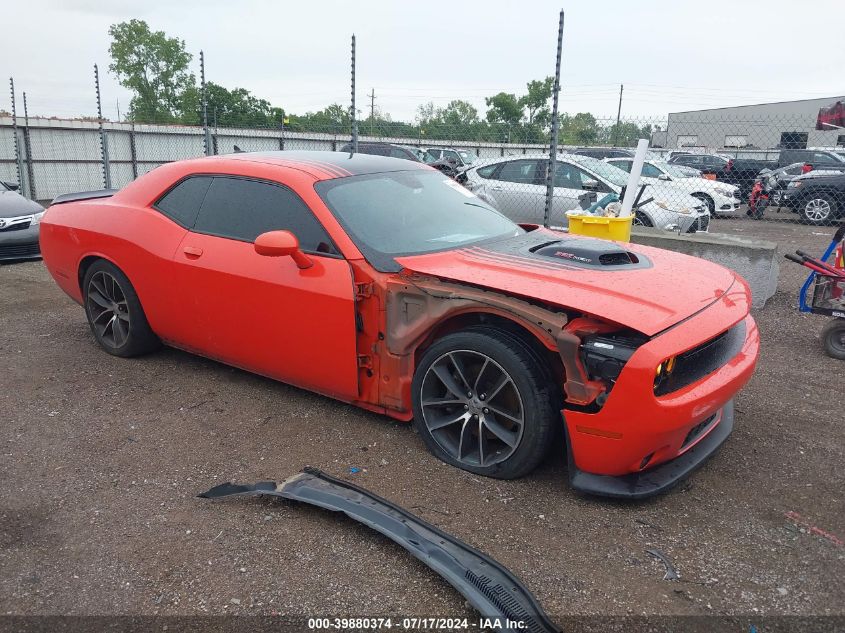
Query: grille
[[16, 227], [19, 250], [697, 430], [703, 360]]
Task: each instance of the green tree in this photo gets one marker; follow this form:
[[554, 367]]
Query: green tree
[[504, 108], [581, 129], [459, 113], [239, 108], [154, 67], [536, 102]]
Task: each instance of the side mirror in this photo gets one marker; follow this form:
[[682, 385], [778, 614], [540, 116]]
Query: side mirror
[[12, 185], [282, 244], [664, 177], [591, 185]]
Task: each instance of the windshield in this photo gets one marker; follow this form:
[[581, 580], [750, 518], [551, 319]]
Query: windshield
[[608, 172], [467, 156], [410, 212], [672, 170]]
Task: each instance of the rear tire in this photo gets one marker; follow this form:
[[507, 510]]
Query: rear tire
[[818, 209], [114, 312], [833, 339], [484, 402]]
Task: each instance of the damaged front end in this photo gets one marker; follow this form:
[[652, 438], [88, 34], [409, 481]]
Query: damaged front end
[[591, 352], [488, 586]]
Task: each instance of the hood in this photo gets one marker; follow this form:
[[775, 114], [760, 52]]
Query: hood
[[12, 204], [642, 288]]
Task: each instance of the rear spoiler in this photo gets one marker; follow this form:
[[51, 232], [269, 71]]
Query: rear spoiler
[[83, 195]]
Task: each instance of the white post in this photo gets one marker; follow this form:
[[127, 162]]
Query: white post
[[634, 178]]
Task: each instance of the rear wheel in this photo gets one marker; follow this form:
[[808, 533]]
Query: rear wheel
[[818, 209], [483, 402], [114, 312], [833, 338]]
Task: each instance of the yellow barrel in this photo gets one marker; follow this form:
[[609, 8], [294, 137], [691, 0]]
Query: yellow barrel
[[618, 229]]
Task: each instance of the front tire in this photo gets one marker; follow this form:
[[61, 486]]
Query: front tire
[[114, 312], [833, 339], [711, 204], [484, 402]]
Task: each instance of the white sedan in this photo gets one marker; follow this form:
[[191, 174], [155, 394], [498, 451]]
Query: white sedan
[[720, 198]]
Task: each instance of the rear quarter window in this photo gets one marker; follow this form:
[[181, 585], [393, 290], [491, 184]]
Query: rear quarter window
[[182, 203]]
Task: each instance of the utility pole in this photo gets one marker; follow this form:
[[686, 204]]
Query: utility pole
[[618, 116], [372, 97]]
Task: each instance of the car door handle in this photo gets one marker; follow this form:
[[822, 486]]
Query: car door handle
[[192, 252]]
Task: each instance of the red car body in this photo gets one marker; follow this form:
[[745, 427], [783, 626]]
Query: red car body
[[346, 329]]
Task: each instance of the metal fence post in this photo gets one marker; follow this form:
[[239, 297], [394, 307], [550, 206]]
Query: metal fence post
[[27, 144], [550, 172], [18, 160], [104, 146], [206, 135], [282, 137], [352, 114], [133, 151]]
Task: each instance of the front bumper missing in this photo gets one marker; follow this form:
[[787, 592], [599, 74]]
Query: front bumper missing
[[486, 584], [659, 479]]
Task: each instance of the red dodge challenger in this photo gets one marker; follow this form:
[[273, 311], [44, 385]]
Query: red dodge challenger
[[382, 283]]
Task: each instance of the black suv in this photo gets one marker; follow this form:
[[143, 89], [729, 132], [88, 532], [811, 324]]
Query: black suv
[[384, 149], [818, 199]]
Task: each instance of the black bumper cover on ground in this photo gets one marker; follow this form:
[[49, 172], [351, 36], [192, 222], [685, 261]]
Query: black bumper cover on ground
[[660, 478], [486, 584]]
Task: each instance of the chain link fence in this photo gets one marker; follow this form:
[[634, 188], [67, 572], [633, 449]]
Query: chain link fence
[[701, 165]]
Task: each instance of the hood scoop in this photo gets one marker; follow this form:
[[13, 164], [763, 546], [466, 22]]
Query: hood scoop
[[590, 253]]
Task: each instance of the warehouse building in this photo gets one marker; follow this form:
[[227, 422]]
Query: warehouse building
[[785, 124]]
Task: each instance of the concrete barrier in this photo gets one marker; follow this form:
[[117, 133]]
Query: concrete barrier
[[755, 260]]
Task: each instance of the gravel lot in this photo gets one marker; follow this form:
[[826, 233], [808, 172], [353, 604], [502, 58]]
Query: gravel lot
[[102, 459]]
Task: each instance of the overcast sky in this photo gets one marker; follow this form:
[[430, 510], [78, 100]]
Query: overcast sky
[[672, 55]]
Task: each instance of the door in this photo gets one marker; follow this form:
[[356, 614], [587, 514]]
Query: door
[[265, 314], [514, 191], [571, 191]]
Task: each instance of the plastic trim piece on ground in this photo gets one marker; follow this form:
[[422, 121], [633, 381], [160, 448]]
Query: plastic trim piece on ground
[[486, 584]]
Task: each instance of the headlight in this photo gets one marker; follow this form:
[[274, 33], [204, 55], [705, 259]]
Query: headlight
[[664, 370], [663, 204], [794, 184], [728, 193], [36, 218]]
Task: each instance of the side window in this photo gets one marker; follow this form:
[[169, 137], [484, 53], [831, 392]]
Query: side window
[[182, 203], [244, 209], [521, 171], [649, 171], [623, 164], [487, 170], [572, 177], [434, 154]]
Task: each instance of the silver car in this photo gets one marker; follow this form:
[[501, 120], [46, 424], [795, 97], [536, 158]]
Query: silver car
[[19, 223], [516, 186]]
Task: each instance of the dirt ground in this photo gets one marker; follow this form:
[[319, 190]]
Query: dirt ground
[[102, 458]]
